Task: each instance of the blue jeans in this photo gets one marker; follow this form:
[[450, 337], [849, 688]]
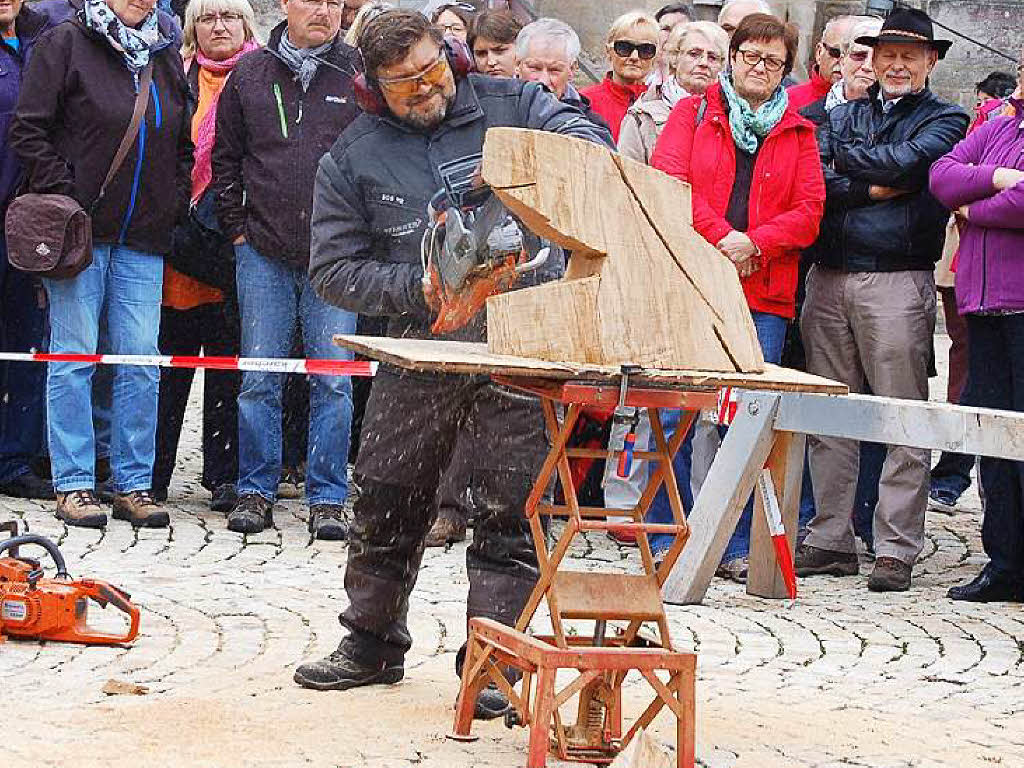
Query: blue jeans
[[127, 285], [22, 385], [273, 298], [771, 333]]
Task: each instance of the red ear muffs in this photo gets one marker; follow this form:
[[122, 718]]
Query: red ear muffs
[[371, 100]]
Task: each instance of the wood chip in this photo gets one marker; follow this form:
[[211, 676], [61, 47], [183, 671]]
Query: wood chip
[[121, 688]]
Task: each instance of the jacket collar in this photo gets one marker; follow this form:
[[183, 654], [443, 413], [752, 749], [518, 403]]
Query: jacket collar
[[29, 24], [626, 93], [906, 103], [339, 56]]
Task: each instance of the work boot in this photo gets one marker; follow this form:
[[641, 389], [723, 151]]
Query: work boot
[[251, 514], [734, 570], [491, 703], [814, 561], [81, 509], [28, 485], [889, 575], [444, 531], [345, 668], [223, 498], [327, 522], [140, 509]]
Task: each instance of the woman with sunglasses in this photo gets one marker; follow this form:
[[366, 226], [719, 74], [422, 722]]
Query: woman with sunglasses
[[632, 47], [696, 53], [757, 187]]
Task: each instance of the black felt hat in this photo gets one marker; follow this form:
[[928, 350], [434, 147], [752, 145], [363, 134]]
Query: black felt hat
[[907, 25]]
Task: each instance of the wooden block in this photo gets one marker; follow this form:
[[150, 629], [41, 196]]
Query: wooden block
[[610, 596], [664, 297]]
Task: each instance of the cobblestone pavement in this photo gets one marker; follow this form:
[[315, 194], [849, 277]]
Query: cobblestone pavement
[[843, 678]]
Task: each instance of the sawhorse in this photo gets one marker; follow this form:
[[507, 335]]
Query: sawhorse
[[601, 660]]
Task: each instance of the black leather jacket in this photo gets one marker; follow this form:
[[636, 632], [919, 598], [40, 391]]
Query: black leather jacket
[[863, 146]]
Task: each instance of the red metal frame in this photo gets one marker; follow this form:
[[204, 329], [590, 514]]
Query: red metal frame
[[601, 663]]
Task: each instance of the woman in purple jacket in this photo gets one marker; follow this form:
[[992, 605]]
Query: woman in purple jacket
[[982, 179]]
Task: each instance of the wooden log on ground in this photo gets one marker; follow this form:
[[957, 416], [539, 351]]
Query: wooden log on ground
[[642, 288]]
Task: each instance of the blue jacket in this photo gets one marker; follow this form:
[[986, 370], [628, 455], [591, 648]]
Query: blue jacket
[[28, 26]]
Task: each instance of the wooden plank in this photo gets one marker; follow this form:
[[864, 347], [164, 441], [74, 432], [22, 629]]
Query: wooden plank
[[585, 595], [913, 423], [786, 463], [664, 297], [473, 358], [718, 507]]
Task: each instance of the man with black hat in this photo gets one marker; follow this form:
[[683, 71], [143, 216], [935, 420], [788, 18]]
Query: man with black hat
[[869, 315]]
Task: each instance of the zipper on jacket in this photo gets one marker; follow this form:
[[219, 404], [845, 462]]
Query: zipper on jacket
[[298, 119], [137, 177], [984, 267], [280, 111]]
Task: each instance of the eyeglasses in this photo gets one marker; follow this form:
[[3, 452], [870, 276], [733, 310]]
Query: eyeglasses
[[405, 87], [753, 58], [625, 49], [453, 29], [832, 51], [333, 6], [227, 19], [698, 54]]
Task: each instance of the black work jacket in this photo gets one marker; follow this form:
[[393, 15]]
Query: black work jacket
[[862, 146], [270, 137], [372, 190]]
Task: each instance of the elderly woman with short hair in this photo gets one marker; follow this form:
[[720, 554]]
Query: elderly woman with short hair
[[79, 93], [695, 54], [198, 317], [632, 47]]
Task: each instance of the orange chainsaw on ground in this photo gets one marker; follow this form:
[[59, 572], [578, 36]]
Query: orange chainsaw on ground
[[472, 248], [53, 609]]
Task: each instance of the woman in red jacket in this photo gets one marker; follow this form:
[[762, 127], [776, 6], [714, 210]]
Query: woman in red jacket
[[632, 47], [758, 190]]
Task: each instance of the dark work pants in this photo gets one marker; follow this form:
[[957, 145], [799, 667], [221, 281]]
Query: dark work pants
[[22, 385], [952, 473], [996, 380], [212, 329], [415, 425]]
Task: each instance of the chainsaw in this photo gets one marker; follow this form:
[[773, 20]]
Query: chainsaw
[[53, 609], [472, 248]]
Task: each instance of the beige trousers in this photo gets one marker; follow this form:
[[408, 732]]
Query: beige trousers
[[870, 329]]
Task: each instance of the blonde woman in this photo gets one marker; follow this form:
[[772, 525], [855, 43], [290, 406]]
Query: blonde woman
[[632, 47], [197, 316], [695, 54]]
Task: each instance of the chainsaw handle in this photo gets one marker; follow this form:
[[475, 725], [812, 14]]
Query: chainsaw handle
[[39, 541], [104, 593]]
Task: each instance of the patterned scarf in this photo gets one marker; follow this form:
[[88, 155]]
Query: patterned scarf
[[202, 171], [749, 127], [672, 92], [304, 62], [135, 44], [836, 95]]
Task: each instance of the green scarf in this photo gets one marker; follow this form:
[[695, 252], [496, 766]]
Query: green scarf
[[750, 127]]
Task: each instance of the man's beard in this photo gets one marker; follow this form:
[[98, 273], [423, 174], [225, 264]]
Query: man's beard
[[429, 120]]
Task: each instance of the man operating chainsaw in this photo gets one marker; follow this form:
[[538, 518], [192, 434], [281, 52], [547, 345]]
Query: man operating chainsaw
[[422, 135]]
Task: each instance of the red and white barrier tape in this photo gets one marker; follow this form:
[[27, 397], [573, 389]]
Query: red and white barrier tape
[[265, 364], [728, 402]]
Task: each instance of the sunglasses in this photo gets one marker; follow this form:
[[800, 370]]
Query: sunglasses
[[406, 87], [835, 53], [625, 49]]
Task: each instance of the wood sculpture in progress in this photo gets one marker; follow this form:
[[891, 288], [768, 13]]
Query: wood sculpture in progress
[[642, 287]]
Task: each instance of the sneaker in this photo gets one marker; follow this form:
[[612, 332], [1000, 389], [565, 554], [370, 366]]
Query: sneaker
[[328, 522], [223, 498], [889, 575], [251, 514], [444, 531], [814, 561], [943, 501], [80, 509], [140, 509], [28, 485], [734, 570], [291, 483], [343, 670]]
